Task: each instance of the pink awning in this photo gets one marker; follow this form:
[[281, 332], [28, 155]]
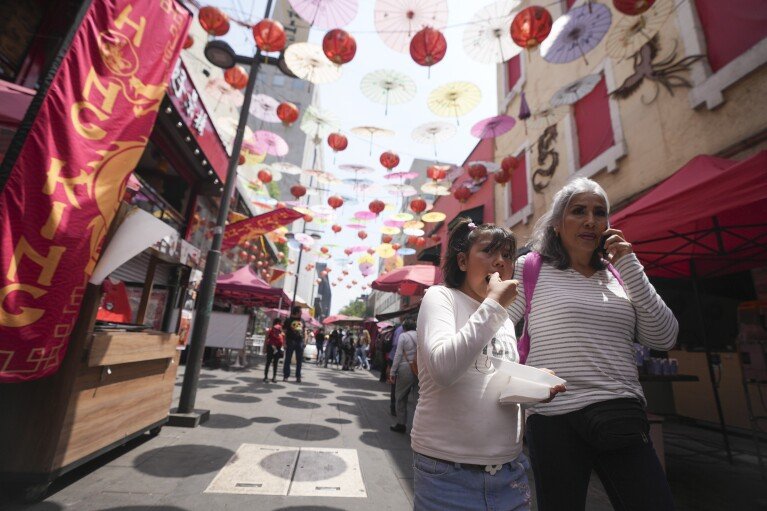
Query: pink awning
[[245, 287], [14, 101], [409, 280], [712, 211]]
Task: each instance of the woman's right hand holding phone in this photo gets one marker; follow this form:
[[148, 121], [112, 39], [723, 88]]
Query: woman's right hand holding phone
[[502, 291]]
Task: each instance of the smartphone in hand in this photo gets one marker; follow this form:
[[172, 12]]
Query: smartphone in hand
[[602, 240]]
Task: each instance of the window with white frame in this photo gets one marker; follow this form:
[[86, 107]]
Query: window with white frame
[[518, 198], [731, 34], [592, 131]]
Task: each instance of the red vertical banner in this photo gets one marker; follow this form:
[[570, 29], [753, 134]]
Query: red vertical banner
[[72, 171]]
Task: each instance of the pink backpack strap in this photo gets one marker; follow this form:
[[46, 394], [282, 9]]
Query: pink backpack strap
[[531, 269], [617, 275]]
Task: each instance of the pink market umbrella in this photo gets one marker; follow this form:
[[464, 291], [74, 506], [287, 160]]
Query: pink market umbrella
[[265, 108], [576, 33], [397, 21], [493, 126], [270, 142], [409, 280], [326, 14]]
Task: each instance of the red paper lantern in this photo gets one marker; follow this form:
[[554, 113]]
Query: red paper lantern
[[411, 240], [633, 7], [348, 286], [396, 246], [376, 206], [213, 21], [337, 142], [241, 160], [298, 191], [428, 46], [335, 202], [236, 77], [339, 47], [420, 242], [265, 176], [362, 235], [477, 171], [188, 42], [269, 35], [417, 205], [308, 218], [531, 26], [436, 238], [462, 194], [502, 176], [510, 163], [287, 112], [436, 172], [389, 159], [371, 251], [386, 238], [348, 252], [336, 228]]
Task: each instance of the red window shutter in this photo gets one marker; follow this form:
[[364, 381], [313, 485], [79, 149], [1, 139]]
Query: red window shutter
[[513, 71], [518, 187], [730, 28], [592, 120], [570, 4]]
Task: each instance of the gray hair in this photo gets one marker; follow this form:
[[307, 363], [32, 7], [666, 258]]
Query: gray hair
[[544, 238]]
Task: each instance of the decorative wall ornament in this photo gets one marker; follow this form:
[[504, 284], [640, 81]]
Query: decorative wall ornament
[[666, 72], [546, 153]]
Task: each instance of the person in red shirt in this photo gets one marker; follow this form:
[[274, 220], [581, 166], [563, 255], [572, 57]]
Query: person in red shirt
[[274, 341]]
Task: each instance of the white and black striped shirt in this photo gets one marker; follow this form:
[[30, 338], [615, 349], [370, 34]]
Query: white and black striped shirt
[[583, 328]]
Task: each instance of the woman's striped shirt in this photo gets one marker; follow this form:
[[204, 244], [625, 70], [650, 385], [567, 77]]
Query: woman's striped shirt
[[583, 328]]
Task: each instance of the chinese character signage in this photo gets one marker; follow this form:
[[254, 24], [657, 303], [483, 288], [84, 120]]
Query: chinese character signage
[[186, 99], [72, 172]]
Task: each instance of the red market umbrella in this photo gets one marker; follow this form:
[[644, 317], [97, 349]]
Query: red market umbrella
[[409, 280]]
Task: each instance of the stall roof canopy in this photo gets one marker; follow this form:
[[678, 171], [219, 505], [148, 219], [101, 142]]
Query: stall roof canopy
[[708, 219], [245, 287]]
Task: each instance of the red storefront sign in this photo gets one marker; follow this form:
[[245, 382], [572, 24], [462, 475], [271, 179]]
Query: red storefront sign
[[186, 99], [246, 230], [72, 172]]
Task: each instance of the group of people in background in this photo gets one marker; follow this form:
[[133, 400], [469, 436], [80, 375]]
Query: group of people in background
[[348, 349]]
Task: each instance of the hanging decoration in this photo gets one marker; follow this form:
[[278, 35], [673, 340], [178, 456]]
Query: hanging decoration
[[576, 33], [308, 62], [530, 27], [502, 177], [337, 142], [335, 202], [188, 42], [376, 206], [574, 91], [287, 112], [487, 39], [317, 123], [433, 133], [265, 176], [388, 87], [630, 33], [454, 99], [336, 228], [326, 14], [437, 172], [298, 191], [339, 47], [433, 217], [418, 205], [397, 20], [632, 7], [462, 194], [509, 164], [389, 160], [362, 235], [477, 172], [372, 131], [269, 35], [428, 47], [236, 77], [546, 152], [264, 107], [213, 20]]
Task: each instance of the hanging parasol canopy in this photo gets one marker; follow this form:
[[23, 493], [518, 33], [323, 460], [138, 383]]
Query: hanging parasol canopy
[[630, 33], [326, 14], [401, 190], [270, 142], [401, 175], [356, 168], [388, 87], [397, 21], [454, 99], [574, 91], [264, 107], [487, 38], [547, 116], [435, 189], [221, 92], [433, 133], [318, 123], [576, 33], [227, 129], [372, 131], [493, 127], [286, 168], [308, 62]]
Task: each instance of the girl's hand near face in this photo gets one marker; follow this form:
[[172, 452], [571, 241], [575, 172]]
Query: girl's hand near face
[[502, 291]]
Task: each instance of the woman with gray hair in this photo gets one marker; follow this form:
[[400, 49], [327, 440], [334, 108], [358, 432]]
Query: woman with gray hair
[[582, 316]]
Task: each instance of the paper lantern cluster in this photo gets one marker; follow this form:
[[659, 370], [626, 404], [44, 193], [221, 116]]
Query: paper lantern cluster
[[269, 35]]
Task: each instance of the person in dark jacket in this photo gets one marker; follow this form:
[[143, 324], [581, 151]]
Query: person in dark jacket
[[294, 343], [274, 341]]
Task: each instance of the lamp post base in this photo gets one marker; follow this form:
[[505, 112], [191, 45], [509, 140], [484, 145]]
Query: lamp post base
[[187, 420]]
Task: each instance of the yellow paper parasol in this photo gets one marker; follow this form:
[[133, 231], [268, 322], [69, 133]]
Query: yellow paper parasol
[[308, 62], [390, 230], [433, 216], [454, 99]]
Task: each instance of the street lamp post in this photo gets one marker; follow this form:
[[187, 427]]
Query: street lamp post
[[220, 54]]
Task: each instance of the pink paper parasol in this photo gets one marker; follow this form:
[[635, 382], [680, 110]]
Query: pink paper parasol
[[326, 14], [493, 126], [270, 142], [357, 168], [394, 223], [356, 226], [265, 108], [401, 175], [397, 21], [365, 215]]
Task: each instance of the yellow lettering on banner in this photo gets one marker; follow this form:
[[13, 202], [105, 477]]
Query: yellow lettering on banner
[[28, 315], [48, 263], [166, 5], [124, 18], [109, 92], [48, 231], [54, 177], [88, 130]]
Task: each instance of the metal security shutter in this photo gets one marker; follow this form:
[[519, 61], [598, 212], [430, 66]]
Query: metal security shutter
[[134, 271]]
